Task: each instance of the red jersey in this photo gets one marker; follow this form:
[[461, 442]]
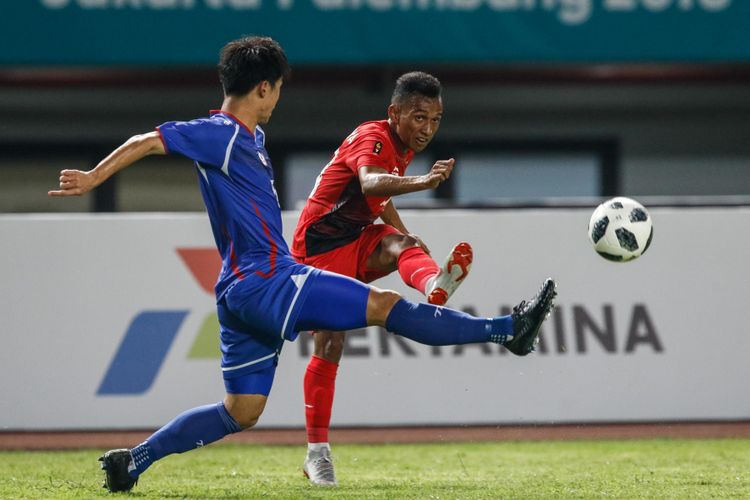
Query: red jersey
[[336, 211]]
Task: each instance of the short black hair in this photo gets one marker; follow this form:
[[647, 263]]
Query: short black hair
[[246, 62], [415, 83]]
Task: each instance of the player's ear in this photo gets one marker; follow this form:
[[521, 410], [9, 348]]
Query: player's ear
[[394, 113], [263, 88]]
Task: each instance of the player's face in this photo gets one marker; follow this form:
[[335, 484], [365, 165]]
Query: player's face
[[271, 97], [416, 121]]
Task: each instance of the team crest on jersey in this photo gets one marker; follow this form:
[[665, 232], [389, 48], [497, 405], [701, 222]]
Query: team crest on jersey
[[262, 158], [377, 148]]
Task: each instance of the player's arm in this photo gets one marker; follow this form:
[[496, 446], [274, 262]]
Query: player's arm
[[78, 182], [376, 181], [391, 217]]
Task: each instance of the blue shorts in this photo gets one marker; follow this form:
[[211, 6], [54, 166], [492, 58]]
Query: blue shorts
[[258, 382], [257, 314], [256, 317]]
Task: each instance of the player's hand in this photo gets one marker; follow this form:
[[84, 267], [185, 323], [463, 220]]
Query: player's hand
[[440, 172], [74, 183], [420, 243]]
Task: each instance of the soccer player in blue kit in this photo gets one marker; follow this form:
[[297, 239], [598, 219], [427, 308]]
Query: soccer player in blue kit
[[264, 297]]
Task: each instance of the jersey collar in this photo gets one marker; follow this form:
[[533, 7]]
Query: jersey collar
[[234, 118]]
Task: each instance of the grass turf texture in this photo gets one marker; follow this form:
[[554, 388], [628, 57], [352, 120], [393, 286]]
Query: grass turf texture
[[560, 469]]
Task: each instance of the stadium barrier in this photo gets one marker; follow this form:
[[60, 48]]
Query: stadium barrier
[[109, 323]]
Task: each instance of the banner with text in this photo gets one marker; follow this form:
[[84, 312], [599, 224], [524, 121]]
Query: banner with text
[[191, 32], [104, 314]]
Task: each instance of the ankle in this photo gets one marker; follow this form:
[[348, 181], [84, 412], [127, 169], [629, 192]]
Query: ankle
[[318, 447], [429, 285]]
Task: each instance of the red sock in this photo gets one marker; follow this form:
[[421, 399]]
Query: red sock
[[416, 267], [320, 383]]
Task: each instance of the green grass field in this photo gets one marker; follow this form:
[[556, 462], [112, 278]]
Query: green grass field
[[564, 469]]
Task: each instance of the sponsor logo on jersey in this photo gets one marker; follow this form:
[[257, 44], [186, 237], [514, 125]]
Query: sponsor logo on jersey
[[378, 147]]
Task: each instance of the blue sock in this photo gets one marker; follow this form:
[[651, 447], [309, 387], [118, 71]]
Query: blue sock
[[435, 325], [191, 429]]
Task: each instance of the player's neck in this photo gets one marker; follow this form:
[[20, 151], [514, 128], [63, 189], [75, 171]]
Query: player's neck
[[400, 146], [241, 110]]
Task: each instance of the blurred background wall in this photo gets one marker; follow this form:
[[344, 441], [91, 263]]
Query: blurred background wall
[[544, 100]]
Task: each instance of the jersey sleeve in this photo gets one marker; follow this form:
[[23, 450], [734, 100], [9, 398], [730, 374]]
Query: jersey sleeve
[[204, 140], [370, 150]]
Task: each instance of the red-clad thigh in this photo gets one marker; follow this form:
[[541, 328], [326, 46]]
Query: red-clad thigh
[[351, 259], [369, 241]]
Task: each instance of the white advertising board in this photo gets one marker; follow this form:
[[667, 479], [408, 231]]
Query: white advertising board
[[108, 322]]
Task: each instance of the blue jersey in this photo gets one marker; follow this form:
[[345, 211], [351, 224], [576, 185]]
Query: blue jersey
[[264, 286], [236, 180]]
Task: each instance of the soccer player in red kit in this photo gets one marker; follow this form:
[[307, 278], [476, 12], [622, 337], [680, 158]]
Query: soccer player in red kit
[[336, 232]]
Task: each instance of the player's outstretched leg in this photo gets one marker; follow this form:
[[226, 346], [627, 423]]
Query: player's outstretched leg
[[528, 317], [116, 466], [436, 325], [340, 303], [455, 269]]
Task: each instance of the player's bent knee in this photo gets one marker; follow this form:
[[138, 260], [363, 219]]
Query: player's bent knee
[[379, 305], [392, 246], [246, 420], [329, 345], [245, 409], [408, 242], [247, 423], [402, 242]]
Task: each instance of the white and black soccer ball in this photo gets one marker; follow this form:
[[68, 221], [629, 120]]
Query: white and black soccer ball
[[620, 229]]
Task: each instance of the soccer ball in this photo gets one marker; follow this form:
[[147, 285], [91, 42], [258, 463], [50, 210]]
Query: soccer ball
[[620, 229]]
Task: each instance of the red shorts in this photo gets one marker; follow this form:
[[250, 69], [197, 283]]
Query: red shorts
[[351, 259]]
